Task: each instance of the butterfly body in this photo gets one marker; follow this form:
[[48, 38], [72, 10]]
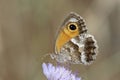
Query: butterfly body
[[73, 44]]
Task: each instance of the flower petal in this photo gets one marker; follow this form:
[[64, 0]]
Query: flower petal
[[58, 73], [45, 69]]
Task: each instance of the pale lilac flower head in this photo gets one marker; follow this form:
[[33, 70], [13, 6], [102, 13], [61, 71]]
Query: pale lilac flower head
[[58, 73]]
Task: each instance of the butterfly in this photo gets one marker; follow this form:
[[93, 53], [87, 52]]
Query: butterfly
[[73, 43]]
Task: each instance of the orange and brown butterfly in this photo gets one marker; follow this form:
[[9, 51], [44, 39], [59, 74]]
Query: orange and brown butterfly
[[73, 44]]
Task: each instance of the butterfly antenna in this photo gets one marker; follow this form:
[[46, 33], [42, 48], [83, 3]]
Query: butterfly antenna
[[44, 56]]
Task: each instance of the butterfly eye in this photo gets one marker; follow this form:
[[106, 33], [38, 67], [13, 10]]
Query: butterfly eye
[[72, 27]]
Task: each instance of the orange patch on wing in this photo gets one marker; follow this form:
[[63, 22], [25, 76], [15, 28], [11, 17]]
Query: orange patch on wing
[[64, 36]]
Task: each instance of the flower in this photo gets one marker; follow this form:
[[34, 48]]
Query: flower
[[58, 73]]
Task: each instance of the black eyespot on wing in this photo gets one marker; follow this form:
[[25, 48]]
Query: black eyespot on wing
[[72, 27]]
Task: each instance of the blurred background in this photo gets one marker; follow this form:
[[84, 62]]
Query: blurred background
[[28, 29]]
